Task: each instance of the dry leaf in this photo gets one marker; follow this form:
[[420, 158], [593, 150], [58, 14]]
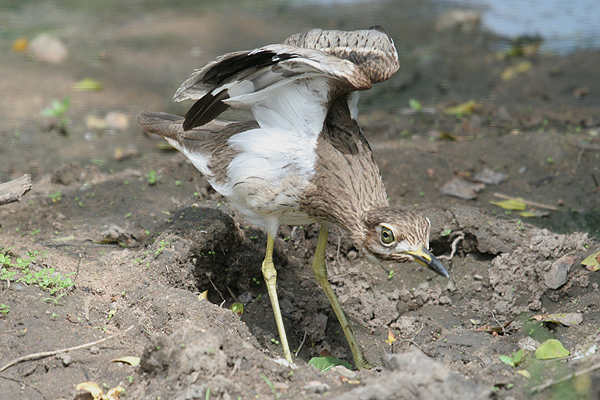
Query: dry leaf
[[534, 213], [391, 338], [93, 122], [461, 109], [525, 373], [20, 45], [514, 70], [88, 85], [113, 394], [461, 188], [592, 262], [566, 319], [131, 360], [490, 176], [97, 393], [92, 388]]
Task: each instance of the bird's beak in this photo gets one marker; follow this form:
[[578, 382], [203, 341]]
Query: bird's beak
[[425, 258]]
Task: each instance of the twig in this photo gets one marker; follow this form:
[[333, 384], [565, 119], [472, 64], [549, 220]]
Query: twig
[[13, 190], [412, 340], [528, 202], [457, 239], [301, 344], [218, 291], [419, 331], [552, 382], [581, 151], [43, 354]]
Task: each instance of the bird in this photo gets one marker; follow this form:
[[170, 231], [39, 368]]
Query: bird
[[299, 156]]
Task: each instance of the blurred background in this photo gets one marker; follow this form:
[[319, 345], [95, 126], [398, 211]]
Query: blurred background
[[74, 74]]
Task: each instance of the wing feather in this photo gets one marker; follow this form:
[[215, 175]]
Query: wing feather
[[316, 65]]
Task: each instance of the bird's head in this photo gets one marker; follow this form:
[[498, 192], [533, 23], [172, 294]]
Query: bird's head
[[399, 236]]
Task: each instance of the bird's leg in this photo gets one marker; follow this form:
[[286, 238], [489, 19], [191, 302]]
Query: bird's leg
[[320, 270], [270, 275]]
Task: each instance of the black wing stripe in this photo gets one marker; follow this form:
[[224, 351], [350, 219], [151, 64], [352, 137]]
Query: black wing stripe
[[232, 66], [205, 110], [210, 106]]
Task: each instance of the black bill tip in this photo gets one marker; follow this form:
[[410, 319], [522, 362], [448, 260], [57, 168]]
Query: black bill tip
[[424, 257]]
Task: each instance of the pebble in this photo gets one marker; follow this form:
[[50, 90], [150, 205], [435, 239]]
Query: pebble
[[528, 344], [317, 387], [117, 120], [558, 273], [49, 49], [66, 359], [352, 255]]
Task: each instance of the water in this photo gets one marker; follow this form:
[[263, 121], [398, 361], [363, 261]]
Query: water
[[564, 26]]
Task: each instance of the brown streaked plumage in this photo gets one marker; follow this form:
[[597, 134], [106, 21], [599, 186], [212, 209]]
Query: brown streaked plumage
[[301, 157]]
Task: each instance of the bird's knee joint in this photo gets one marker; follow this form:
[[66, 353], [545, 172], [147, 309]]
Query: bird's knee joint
[[269, 273], [320, 274]]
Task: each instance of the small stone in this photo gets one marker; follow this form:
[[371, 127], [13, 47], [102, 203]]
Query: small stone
[[528, 344], [281, 386], [558, 273], [49, 49], [117, 120], [94, 349], [352, 255], [317, 387], [478, 277], [66, 359], [245, 298], [340, 370]]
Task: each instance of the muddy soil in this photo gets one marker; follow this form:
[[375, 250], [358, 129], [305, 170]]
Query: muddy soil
[[142, 238]]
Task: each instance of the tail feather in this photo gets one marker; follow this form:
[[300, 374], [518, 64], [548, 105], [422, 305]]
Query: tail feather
[[163, 124]]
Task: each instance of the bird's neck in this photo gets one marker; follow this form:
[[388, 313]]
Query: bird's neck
[[347, 182]]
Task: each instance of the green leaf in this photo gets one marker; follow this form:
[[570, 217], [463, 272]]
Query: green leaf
[[507, 360], [415, 104], [237, 308], [512, 204], [514, 359], [551, 349], [527, 214], [88, 85], [461, 109], [518, 357], [57, 109], [326, 363]]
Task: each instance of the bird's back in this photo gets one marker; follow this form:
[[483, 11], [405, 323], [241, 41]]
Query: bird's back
[[347, 180]]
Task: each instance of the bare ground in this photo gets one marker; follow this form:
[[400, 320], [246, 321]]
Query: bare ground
[[141, 253]]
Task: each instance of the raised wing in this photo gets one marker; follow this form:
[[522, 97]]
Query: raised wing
[[289, 85]]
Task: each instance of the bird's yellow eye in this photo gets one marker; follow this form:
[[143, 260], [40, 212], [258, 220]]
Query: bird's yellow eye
[[387, 236]]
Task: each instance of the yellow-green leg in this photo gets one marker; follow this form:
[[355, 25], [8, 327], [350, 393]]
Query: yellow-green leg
[[270, 275], [320, 270]]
